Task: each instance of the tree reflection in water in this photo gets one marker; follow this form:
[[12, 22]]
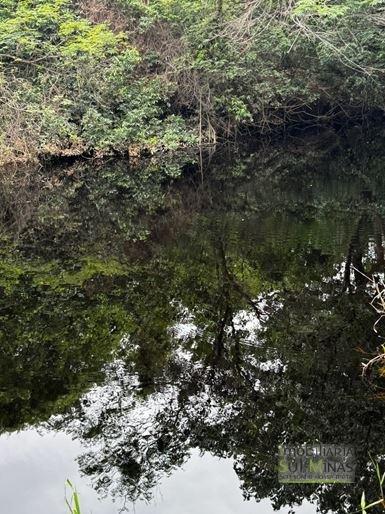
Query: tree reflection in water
[[227, 316]]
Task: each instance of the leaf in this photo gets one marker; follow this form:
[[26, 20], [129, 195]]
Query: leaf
[[363, 503], [76, 500]]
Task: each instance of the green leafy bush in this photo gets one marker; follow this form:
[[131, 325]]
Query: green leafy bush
[[103, 77]]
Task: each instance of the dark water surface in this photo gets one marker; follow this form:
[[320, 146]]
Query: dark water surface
[[159, 338]]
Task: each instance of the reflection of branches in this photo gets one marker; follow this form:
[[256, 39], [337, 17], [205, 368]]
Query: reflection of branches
[[20, 192], [135, 445], [238, 409], [354, 258], [233, 281]]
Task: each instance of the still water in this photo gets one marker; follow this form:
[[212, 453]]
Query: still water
[[164, 327]]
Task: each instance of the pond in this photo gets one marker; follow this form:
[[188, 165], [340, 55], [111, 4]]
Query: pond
[[165, 326]]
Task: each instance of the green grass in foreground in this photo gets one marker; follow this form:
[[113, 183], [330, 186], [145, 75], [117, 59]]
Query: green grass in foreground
[[73, 503]]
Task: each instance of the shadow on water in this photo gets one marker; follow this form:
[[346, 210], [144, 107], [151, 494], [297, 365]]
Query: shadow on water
[[227, 313]]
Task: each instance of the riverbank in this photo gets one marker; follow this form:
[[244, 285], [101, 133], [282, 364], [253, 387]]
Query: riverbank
[[99, 79]]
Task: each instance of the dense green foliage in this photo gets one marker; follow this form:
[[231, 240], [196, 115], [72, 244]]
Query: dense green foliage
[[98, 76]]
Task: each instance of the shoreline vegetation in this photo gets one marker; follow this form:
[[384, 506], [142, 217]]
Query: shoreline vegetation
[[98, 78]]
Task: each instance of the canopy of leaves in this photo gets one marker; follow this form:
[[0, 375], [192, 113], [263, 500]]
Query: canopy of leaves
[[103, 77]]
